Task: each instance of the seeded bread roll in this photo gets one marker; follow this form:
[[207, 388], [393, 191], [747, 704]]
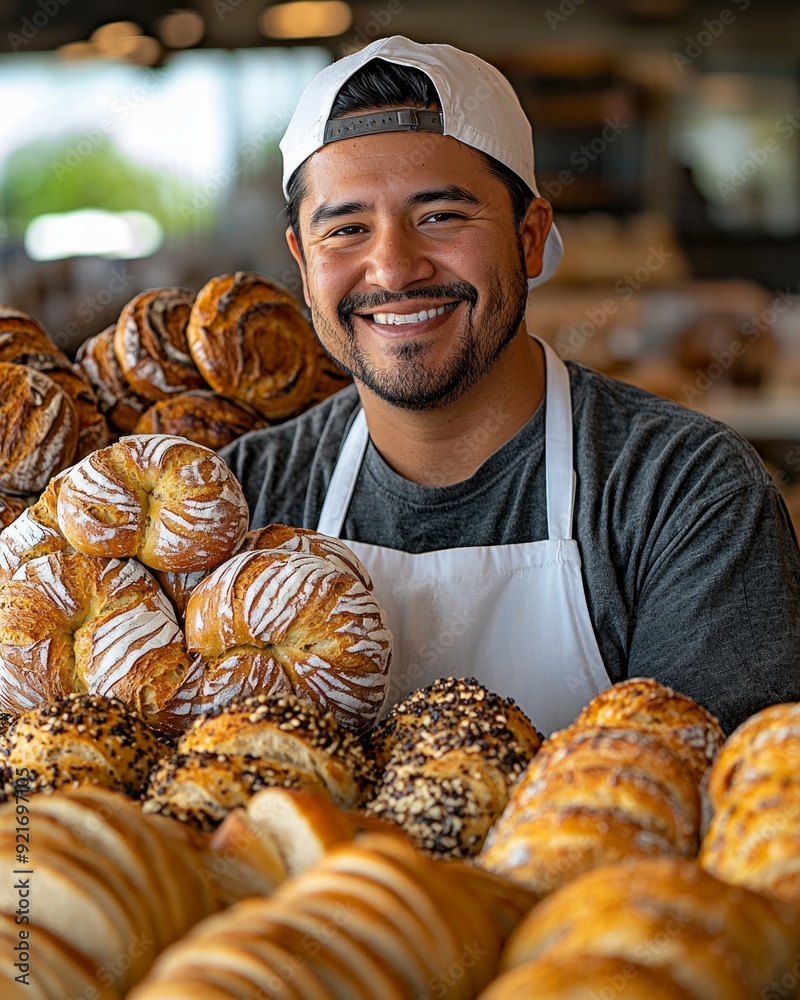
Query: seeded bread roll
[[201, 416], [98, 363], [34, 533], [10, 509], [642, 703], [70, 622], [467, 713], [284, 729], [38, 429], [202, 788], [83, 738], [150, 343], [290, 539], [251, 343], [277, 621], [172, 504]]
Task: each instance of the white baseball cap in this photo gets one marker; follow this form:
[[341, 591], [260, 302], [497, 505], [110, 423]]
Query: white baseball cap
[[478, 107]]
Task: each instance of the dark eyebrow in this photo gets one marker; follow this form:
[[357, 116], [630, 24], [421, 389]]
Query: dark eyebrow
[[327, 213]]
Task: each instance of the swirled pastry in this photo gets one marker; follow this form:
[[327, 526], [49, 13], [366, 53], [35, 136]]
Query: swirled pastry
[[276, 621], [201, 416], [251, 343], [172, 504], [98, 363], [150, 343]]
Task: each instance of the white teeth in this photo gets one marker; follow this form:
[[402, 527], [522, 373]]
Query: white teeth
[[398, 319]]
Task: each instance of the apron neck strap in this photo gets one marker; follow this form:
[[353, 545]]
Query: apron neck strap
[[558, 458]]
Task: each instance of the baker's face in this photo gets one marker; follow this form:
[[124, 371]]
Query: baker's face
[[413, 268]]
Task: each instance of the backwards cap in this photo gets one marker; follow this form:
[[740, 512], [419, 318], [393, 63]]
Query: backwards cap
[[478, 107]]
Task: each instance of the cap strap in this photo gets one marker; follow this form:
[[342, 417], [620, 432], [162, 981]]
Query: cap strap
[[402, 120]]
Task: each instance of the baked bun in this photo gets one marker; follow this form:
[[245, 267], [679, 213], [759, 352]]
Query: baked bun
[[172, 504], [38, 429], [98, 363], [251, 343], [201, 416], [34, 533], [83, 738], [290, 539], [286, 730], [10, 509], [642, 703], [19, 330], [277, 621], [202, 788], [70, 622], [150, 343]]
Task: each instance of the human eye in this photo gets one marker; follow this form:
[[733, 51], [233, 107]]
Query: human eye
[[351, 229], [445, 215]]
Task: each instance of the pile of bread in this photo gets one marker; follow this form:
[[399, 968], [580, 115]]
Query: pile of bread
[[237, 356]]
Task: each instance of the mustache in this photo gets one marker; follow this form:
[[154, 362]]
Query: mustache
[[357, 302]]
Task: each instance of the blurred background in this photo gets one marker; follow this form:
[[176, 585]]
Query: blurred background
[[139, 148]]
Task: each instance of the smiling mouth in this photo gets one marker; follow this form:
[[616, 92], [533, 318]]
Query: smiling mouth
[[402, 319]]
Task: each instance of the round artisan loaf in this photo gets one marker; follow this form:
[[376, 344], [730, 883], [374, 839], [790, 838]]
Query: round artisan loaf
[[284, 729], [34, 533], [642, 703], [172, 504], [291, 539], [290, 621], [70, 622], [19, 329], [251, 342], [38, 429], [98, 363], [150, 343], [83, 738], [765, 745], [201, 416]]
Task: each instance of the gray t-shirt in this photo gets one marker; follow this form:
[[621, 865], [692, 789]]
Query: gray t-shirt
[[690, 563]]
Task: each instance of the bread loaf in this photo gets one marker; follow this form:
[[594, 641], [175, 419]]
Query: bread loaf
[[70, 622], [201, 416], [277, 621], [291, 539], [251, 343], [38, 429], [98, 363], [150, 343], [172, 504], [34, 533], [10, 509], [80, 738]]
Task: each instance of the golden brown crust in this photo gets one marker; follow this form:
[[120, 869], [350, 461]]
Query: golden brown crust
[[291, 539], [83, 738], [98, 363], [290, 621], [70, 622], [201, 416], [38, 429], [172, 504], [643, 703], [251, 342], [34, 533], [287, 730], [150, 343], [19, 331]]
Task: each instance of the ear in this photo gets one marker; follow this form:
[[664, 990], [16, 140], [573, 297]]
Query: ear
[[534, 229], [296, 252]]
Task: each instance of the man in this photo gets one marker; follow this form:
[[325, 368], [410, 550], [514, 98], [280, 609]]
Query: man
[[534, 524]]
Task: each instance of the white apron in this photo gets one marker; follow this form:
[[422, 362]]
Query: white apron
[[512, 616]]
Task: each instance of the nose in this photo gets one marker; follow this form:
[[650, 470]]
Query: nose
[[396, 257]]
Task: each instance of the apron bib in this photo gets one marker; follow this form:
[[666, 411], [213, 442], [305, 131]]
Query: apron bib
[[512, 616]]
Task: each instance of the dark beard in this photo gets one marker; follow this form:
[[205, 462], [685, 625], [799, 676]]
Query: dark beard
[[415, 386]]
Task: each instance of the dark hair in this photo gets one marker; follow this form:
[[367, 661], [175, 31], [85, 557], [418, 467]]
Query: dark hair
[[380, 84]]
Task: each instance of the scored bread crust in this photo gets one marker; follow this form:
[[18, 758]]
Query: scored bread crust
[[287, 730], [150, 343], [38, 429], [201, 416], [172, 504], [251, 342], [34, 533], [98, 363], [276, 620], [70, 622], [291, 539], [10, 509]]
